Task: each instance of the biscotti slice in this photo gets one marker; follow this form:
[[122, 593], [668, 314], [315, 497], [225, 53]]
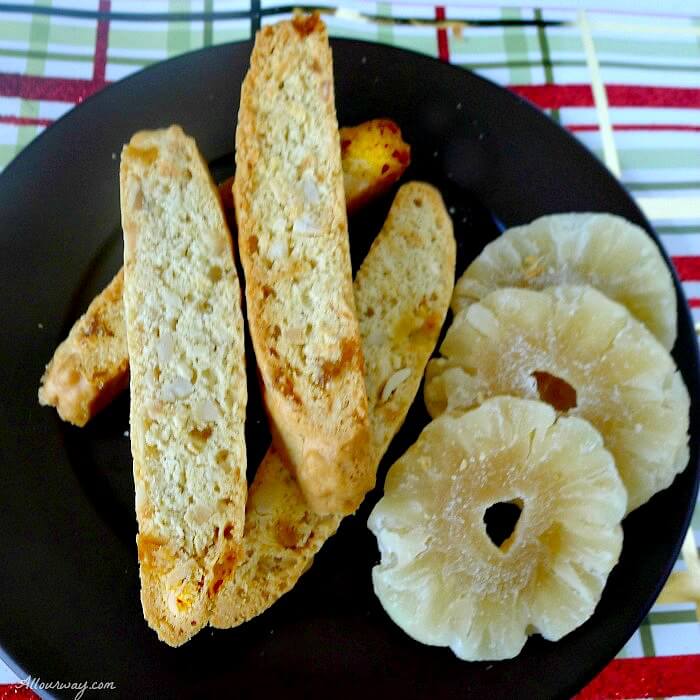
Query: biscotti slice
[[293, 243], [188, 383], [91, 366], [402, 291]]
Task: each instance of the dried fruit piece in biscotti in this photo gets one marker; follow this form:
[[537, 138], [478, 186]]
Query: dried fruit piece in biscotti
[[443, 579], [587, 356], [600, 250]]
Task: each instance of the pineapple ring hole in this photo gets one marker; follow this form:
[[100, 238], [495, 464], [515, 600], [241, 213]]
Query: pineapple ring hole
[[501, 520], [555, 391]]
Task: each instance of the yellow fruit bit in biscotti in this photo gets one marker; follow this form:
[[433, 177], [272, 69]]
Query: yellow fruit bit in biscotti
[[145, 155]]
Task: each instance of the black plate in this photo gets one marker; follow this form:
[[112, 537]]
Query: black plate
[[69, 601]]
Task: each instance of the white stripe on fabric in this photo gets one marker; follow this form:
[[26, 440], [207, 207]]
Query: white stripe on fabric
[[54, 110], [649, 77], [600, 97], [632, 115], [681, 243], [54, 68], [665, 208], [692, 290], [117, 71], [676, 638]]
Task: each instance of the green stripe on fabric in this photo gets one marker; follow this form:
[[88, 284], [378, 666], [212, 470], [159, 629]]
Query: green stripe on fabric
[[38, 41], [225, 31], [14, 31], [671, 617], [72, 35], [645, 186], [208, 35], [654, 159], [385, 32], [546, 60], [7, 153], [179, 38], [48, 55], [670, 230], [36, 65], [677, 48], [564, 40], [137, 39], [515, 42], [473, 44], [647, 638], [426, 44], [582, 64], [659, 158]]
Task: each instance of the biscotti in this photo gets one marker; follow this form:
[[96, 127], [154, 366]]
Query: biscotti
[[188, 384], [293, 243]]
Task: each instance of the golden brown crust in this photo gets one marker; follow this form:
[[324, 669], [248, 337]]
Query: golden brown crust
[[91, 366], [402, 290], [293, 243]]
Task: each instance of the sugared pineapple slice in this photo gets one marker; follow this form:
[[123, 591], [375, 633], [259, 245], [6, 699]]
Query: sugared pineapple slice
[[604, 251], [583, 353], [442, 578]]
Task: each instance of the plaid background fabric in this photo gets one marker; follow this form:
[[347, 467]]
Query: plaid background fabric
[[627, 85]]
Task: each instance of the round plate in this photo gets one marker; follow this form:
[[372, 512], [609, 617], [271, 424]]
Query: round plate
[[70, 590]]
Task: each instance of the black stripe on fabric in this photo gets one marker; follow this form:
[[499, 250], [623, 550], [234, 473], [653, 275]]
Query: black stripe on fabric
[[256, 12], [255, 15]]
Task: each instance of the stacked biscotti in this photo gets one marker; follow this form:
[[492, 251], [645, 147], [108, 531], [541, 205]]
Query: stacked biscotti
[[209, 553]]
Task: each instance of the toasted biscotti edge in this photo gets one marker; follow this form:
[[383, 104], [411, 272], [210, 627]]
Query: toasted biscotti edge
[[412, 260], [91, 366], [323, 433], [182, 306]]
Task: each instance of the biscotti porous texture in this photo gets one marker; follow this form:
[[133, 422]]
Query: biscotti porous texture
[[188, 383], [293, 242]]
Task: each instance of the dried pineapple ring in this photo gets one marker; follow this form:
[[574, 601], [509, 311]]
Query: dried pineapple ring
[[604, 251], [441, 577], [618, 375]]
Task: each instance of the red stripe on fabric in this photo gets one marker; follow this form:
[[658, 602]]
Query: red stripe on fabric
[[443, 45], [16, 691], [35, 87], [661, 676], [687, 266], [100, 60], [636, 127], [557, 96], [24, 121], [694, 304]]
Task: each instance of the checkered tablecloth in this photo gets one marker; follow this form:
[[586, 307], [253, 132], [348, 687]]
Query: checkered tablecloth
[[626, 81]]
